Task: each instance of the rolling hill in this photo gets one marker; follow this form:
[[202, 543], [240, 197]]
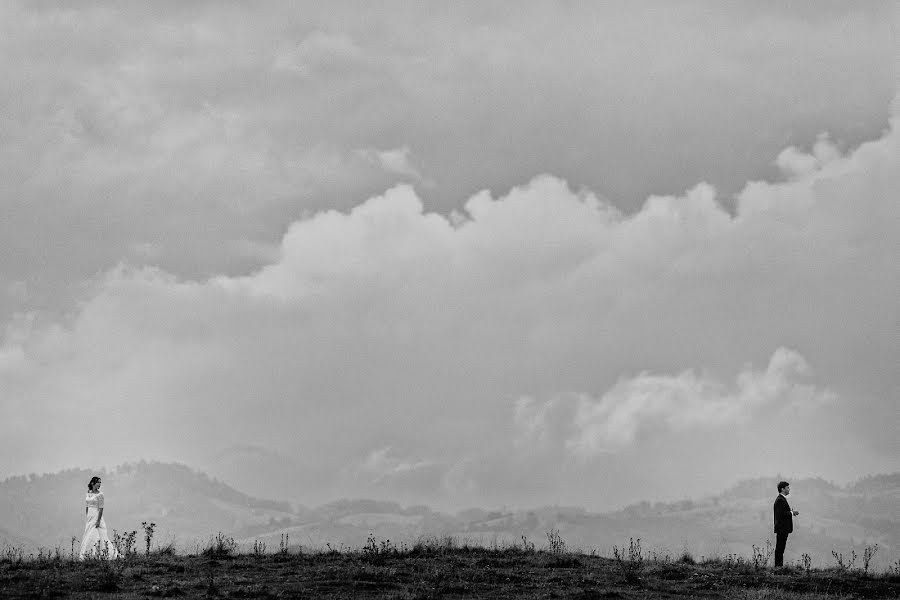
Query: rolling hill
[[189, 506]]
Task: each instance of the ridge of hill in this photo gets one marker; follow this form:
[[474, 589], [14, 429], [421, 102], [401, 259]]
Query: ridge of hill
[[189, 507]]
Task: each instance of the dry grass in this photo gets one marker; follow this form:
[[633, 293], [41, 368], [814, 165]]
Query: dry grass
[[430, 568]]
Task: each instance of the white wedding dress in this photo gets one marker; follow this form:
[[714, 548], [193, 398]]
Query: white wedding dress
[[95, 538]]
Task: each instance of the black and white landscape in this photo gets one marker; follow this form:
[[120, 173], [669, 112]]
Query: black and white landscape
[[630, 262]]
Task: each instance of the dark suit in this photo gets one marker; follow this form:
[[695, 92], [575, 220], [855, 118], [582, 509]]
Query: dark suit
[[784, 525]]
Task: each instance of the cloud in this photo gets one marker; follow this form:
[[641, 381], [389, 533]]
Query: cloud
[[188, 137], [383, 471], [389, 325], [794, 162], [686, 401], [395, 161], [319, 50], [554, 441], [15, 290]]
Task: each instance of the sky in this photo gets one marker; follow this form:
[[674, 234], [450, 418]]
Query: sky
[[460, 254]]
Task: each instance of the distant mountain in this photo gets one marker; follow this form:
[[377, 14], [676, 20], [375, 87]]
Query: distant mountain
[[877, 484], [189, 506], [265, 473], [832, 518], [837, 518], [9, 539]]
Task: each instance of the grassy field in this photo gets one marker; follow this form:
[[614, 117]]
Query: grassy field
[[432, 569]]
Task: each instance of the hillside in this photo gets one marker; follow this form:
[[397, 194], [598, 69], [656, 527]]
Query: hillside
[[8, 539], [189, 507], [832, 518], [430, 570]]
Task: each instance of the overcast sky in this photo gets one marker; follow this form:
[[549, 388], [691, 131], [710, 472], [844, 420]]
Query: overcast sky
[[462, 253]]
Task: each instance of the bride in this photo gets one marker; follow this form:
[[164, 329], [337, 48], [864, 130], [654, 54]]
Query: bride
[[95, 538]]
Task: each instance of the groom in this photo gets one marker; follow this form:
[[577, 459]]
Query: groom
[[784, 521]]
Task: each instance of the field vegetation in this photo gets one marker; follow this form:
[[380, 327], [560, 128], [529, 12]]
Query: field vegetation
[[436, 567]]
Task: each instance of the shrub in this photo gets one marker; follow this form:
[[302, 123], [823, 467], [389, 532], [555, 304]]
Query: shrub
[[630, 561], [47, 555], [733, 561], [220, 546], [868, 553], [761, 555], [839, 560], [556, 545], [375, 551], [148, 535], [100, 552], [894, 569], [108, 573], [125, 543], [12, 555], [166, 550], [807, 563]]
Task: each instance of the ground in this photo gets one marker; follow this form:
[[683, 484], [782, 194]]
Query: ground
[[427, 572]]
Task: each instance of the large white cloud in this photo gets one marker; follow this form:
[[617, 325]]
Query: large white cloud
[[391, 344], [664, 404], [186, 134]]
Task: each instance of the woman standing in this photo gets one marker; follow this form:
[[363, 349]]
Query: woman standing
[[95, 538]]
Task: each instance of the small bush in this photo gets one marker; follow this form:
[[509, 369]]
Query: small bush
[[149, 528], [125, 543], [168, 549], [101, 552], [761, 555], [220, 546], [108, 572], [807, 563], [12, 555], [841, 564], [375, 551], [556, 545], [47, 555], [630, 561], [894, 569], [734, 561], [868, 553]]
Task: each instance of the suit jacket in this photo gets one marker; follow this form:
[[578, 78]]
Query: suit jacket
[[784, 518]]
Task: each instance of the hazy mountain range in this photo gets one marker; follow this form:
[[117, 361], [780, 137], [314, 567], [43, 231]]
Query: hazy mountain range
[[189, 506]]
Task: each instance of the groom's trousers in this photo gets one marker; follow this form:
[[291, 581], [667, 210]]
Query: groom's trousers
[[780, 544]]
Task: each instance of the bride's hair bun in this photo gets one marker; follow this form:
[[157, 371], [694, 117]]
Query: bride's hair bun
[[93, 480]]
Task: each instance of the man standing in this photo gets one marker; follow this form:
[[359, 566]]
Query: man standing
[[784, 521]]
